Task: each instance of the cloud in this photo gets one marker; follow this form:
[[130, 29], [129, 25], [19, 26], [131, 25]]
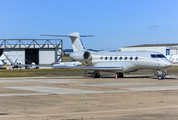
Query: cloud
[[153, 26]]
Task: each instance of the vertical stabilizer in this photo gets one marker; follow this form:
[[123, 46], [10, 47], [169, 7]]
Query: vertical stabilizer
[[76, 42], [2, 57]]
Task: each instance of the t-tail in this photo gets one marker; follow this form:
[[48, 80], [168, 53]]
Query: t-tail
[[75, 38]]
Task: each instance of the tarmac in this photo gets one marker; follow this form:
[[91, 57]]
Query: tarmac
[[70, 96]]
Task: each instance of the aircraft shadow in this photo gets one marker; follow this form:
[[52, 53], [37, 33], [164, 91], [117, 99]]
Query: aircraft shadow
[[4, 113], [135, 77]]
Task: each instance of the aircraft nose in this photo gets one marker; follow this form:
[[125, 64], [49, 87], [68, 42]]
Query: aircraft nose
[[168, 64]]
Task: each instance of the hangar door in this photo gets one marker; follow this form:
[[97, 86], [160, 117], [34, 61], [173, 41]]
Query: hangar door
[[1, 51], [31, 55]]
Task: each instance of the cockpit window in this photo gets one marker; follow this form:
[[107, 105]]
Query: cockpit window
[[153, 56], [157, 56], [163, 56]]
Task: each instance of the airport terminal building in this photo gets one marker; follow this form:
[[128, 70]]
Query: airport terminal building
[[40, 51], [166, 49]]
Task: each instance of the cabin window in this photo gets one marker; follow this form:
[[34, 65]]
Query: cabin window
[[120, 58], [115, 58], [131, 58], [106, 58], [110, 58], [101, 58], [125, 58], [136, 58]]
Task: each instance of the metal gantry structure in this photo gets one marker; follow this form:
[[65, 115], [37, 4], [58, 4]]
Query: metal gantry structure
[[55, 44]]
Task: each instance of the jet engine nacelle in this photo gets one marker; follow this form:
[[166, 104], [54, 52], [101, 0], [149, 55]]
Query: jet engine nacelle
[[81, 55]]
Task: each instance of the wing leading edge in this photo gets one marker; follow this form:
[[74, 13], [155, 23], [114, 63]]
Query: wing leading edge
[[79, 67]]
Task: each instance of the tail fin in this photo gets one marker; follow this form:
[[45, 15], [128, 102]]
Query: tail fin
[[2, 57], [8, 59], [75, 38]]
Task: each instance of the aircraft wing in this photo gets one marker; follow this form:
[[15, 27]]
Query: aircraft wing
[[79, 67]]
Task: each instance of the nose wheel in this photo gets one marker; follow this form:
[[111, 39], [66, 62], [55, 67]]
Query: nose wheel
[[159, 73]]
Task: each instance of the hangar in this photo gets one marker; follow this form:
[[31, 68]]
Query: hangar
[[166, 49], [40, 51]]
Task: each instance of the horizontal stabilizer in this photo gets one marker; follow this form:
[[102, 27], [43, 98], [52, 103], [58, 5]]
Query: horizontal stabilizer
[[67, 35], [75, 39]]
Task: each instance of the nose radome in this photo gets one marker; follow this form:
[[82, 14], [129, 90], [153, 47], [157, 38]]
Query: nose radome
[[168, 64]]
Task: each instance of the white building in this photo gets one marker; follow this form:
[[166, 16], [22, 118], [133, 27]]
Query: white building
[[26, 51], [165, 49]]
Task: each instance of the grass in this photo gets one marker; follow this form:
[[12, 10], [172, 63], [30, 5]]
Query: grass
[[15, 73], [173, 68], [65, 59], [32, 72], [35, 72]]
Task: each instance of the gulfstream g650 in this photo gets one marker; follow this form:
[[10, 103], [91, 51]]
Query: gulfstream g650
[[118, 62]]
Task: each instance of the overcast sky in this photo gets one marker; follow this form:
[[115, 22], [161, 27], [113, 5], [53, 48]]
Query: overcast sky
[[114, 23]]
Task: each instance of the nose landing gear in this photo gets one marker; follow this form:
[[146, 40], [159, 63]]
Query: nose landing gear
[[159, 73]]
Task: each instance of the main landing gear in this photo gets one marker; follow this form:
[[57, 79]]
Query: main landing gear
[[96, 74], [120, 75]]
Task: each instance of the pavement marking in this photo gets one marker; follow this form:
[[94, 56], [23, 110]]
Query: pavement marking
[[153, 88], [92, 112], [33, 94], [53, 90]]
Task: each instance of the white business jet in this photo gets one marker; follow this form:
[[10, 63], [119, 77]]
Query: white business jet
[[2, 61], [14, 64], [118, 62]]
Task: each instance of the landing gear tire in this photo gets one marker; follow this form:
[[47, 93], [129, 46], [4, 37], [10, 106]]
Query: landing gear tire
[[159, 73], [120, 75], [96, 75], [160, 78]]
